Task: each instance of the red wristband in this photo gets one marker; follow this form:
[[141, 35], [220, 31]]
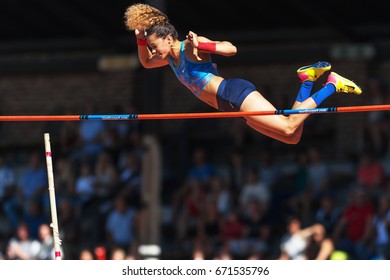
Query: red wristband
[[207, 46], [142, 42]]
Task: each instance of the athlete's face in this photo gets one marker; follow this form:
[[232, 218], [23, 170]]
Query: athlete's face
[[160, 46]]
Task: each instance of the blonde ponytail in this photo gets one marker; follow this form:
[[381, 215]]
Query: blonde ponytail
[[143, 17]]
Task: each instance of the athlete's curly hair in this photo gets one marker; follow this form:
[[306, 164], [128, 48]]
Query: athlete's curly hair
[[143, 17]]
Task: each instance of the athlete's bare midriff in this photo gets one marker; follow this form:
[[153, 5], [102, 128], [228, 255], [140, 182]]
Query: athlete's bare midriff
[[209, 92]]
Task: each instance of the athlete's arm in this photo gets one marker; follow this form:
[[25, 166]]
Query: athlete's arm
[[204, 44], [145, 56]]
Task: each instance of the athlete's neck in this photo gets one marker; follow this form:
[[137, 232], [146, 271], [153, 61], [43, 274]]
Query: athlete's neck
[[175, 50]]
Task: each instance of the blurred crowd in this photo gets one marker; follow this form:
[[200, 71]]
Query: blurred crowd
[[245, 207]]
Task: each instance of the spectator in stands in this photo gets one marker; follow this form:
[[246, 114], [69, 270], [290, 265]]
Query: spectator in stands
[[256, 190], [118, 253], [33, 187], [198, 252], [189, 208], [319, 172], [220, 195], [300, 200], [381, 229], [100, 252], [106, 175], [353, 231], [112, 142], [373, 134], [22, 246], [236, 170], [34, 217], [46, 241], [69, 226], [130, 176], [269, 171], [87, 254], [318, 177], [64, 176], [7, 180], [209, 230], [371, 174], [258, 230], [319, 245], [132, 143], [7, 191], [224, 253], [327, 214], [232, 233], [84, 186], [201, 168], [69, 139], [122, 225], [292, 244]]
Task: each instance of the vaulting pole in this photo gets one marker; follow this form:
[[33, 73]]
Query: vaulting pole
[[52, 197]]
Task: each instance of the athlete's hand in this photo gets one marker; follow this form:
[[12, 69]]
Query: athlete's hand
[[140, 34], [193, 40]]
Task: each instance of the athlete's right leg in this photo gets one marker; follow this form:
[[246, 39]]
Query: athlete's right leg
[[289, 129], [283, 138]]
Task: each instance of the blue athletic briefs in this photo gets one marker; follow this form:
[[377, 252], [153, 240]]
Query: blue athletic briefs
[[231, 93]]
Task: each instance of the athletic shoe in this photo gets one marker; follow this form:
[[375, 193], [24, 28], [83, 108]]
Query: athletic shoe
[[342, 84], [314, 71]]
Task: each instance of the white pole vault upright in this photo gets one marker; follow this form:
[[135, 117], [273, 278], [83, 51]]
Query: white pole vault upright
[[53, 208]]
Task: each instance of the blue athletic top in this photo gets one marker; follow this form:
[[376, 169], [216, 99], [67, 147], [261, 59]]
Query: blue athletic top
[[194, 75]]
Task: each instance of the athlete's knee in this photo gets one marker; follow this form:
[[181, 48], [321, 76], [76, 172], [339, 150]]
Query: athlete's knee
[[292, 136], [289, 131]]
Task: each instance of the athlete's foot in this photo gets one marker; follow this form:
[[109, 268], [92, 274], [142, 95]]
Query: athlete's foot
[[313, 72], [342, 84]]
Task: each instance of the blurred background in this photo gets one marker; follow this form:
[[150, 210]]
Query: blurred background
[[192, 189]]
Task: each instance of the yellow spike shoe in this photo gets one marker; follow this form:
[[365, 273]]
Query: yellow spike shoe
[[342, 84], [314, 71]]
